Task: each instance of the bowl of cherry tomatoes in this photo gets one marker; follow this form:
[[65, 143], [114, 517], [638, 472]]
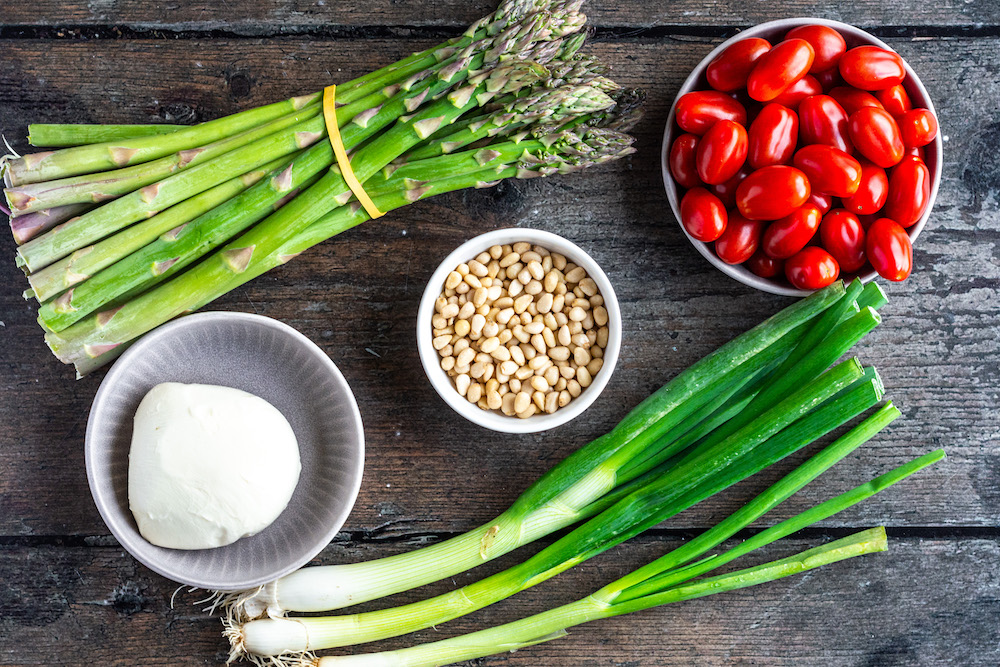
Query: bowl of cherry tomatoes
[[802, 151]]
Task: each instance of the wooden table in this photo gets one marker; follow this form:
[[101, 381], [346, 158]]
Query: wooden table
[[70, 595]]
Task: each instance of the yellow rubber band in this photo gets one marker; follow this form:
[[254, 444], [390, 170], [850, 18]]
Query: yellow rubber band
[[333, 130]]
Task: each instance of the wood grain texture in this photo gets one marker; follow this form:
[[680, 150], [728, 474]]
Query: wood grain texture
[[69, 595], [256, 17], [926, 602]]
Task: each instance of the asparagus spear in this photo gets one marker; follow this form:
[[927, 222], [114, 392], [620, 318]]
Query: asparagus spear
[[77, 267], [26, 227], [60, 135], [107, 185]]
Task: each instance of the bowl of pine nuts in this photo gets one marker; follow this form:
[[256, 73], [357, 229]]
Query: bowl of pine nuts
[[519, 330]]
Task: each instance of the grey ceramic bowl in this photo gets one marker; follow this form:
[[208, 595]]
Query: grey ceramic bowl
[[774, 31], [266, 358]]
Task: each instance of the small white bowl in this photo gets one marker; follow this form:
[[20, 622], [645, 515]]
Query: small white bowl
[[774, 31], [432, 361], [266, 358]]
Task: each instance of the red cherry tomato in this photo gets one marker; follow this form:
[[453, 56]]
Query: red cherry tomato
[[772, 192], [844, 238], [779, 68], [682, 162], [740, 240], [918, 128], [721, 152], [773, 136], [827, 43], [829, 79], [895, 100], [798, 91], [876, 136], [730, 69], [823, 202], [871, 193], [764, 266], [889, 249], [852, 99], [811, 268], [703, 215], [726, 192], [785, 237], [909, 191], [872, 68], [698, 111], [830, 170], [823, 121]]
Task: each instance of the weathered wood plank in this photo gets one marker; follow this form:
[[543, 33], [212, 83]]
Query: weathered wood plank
[[926, 602], [283, 16], [357, 296]]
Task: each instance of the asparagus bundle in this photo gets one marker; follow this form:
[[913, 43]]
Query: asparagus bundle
[[126, 227]]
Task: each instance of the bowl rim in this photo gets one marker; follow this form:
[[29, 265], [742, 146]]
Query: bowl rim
[[429, 357], [912, 82], [129, 541]]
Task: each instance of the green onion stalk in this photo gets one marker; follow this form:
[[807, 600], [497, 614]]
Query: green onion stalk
[[671, 578], [793, 423], [564, 495], [281, 639]]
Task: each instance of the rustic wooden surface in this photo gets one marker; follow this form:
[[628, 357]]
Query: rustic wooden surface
[[70, 595]]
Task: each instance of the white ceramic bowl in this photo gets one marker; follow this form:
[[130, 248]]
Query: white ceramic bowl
[[774, 31], [264, 357], [432, 361]]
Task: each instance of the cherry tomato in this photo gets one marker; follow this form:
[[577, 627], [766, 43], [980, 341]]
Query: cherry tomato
[[726, 192], [798, 91], [876, 136], [823, 121], [895, 100], [827, 43], [889, 249], [779, 68], [764, 266], [703, 215], [823, 202], [829, 79], [830, 170], [772, 192], [773, 136], [909, 191], [872, 68], [852, 99], [844, 238], [740, 240], [730, 69], [785, 237], [811, 268], [698, 111], [872, 191], [682, 163], [721, 152], [917, 127]]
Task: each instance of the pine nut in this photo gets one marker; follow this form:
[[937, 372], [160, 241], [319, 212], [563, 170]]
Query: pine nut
[[600, 316], [450, 311], [493, 400], [503, 354], [564, 398], [441, 341], [551, 280], [496, 252], [575, 275], [478, 269], [447, 363], [545, 303], [537, 342], [507, 407], [517, 355], [521, 247], [521, 402], [539, 384], [521, 303], [581, 357], [453, 279], [559, 353], [472, 281], [490, 344], [509, 367], [462, 383], [577, 314], [595, 366], [551, 402], [534, 327], [583, 376], [462, 328]]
